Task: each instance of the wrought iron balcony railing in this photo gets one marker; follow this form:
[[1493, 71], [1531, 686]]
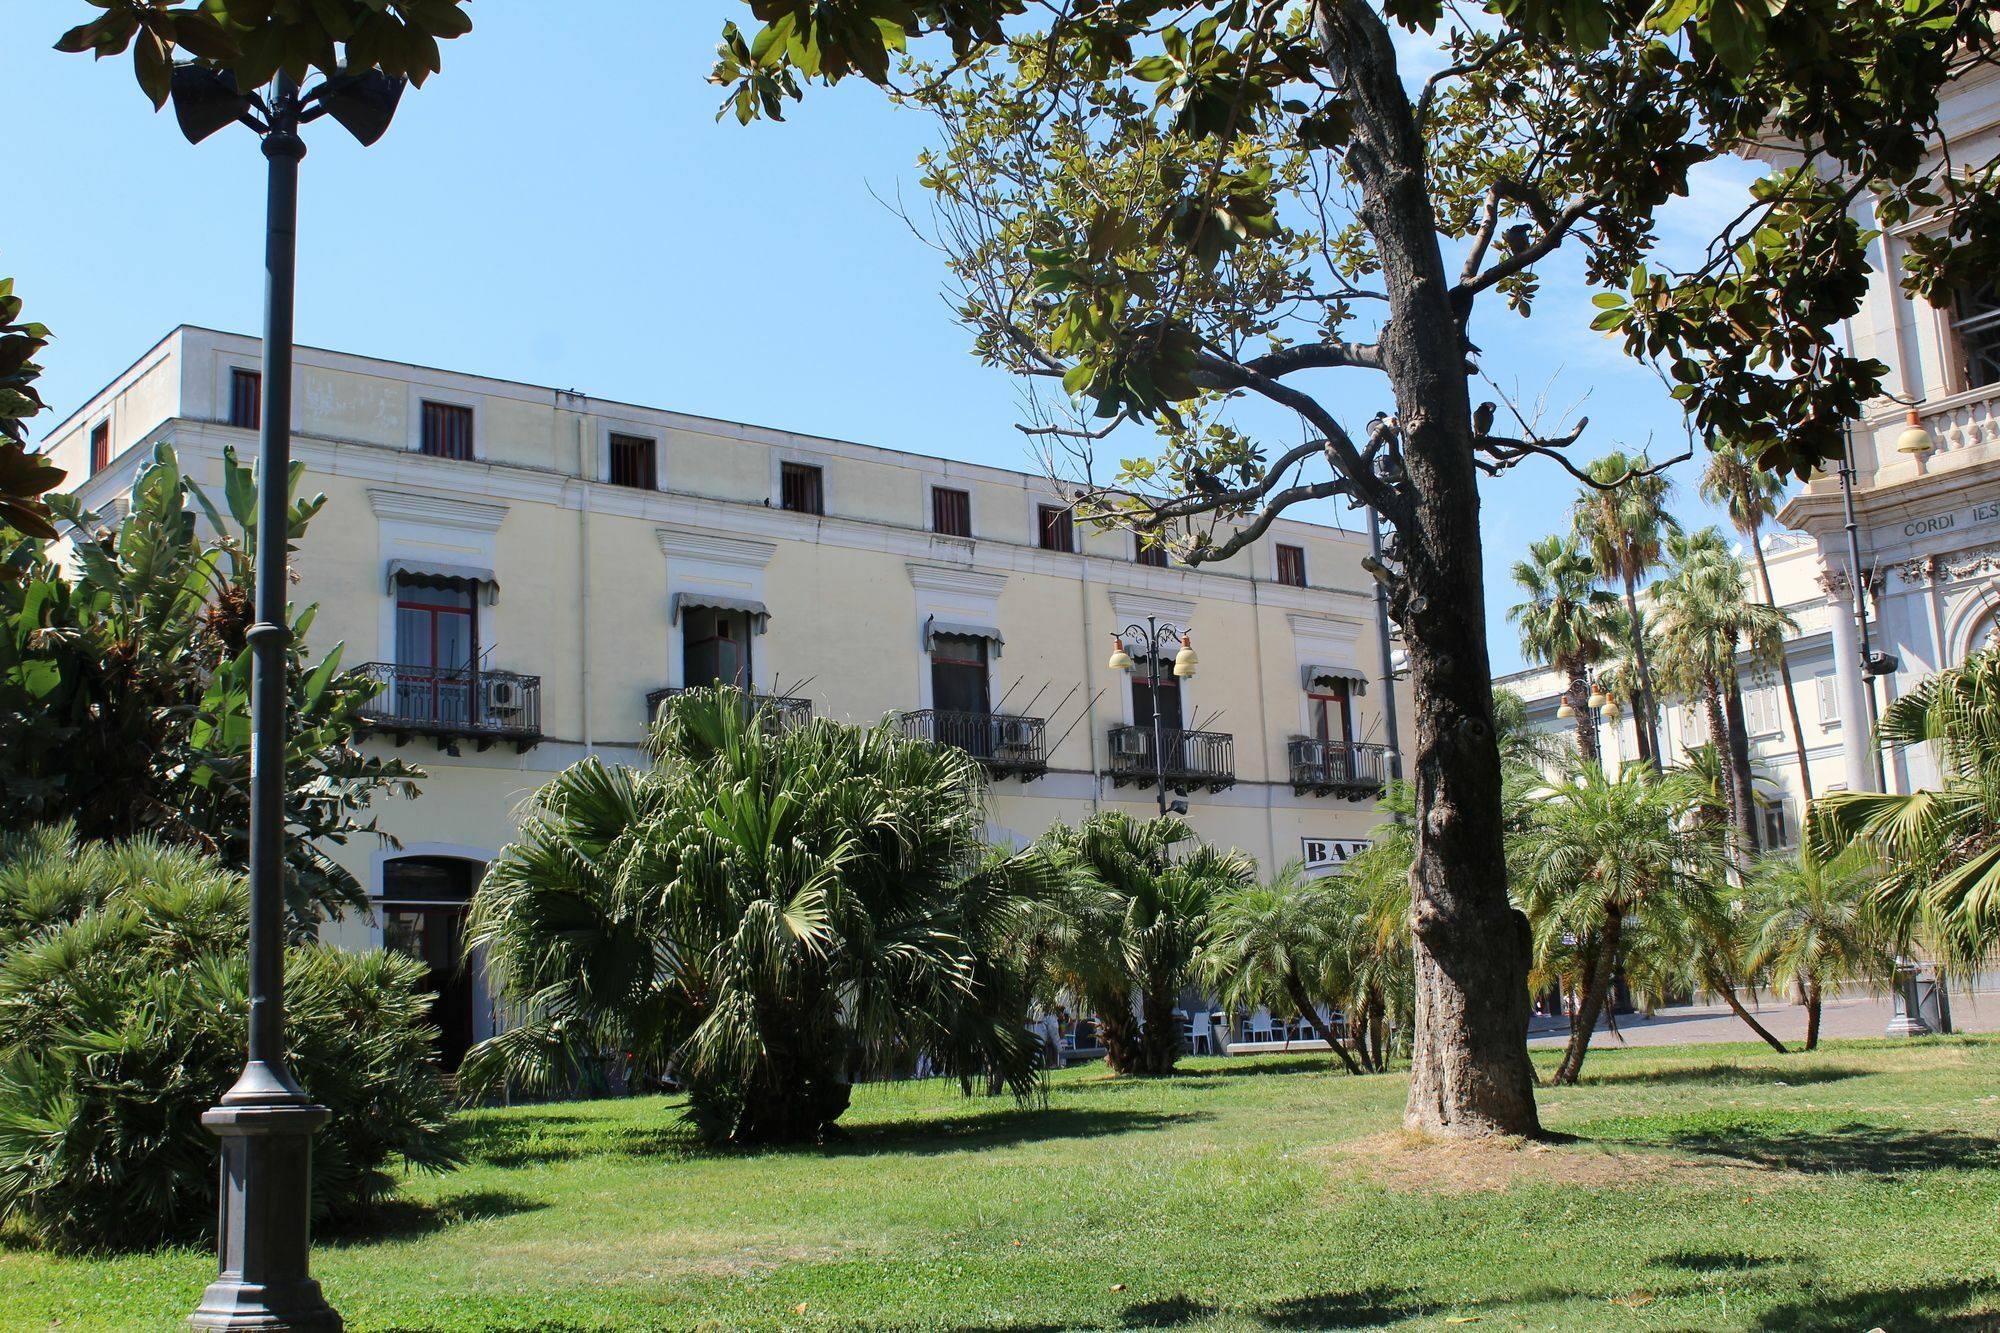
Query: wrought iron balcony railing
[[453, 703], [787, 711], [1330, 768], [1187, 759], [1007, 746]]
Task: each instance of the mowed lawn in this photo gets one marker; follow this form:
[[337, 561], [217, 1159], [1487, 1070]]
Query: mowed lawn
[[1703, 1188]]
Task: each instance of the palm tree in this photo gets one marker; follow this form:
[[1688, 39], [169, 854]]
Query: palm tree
[[1704, 620], [1265, 941], [763, 913], [1136, 903], [1814, 928], [1750, 495], [1624, 525], [1602, 856], [1568, 622], [1939, 849]]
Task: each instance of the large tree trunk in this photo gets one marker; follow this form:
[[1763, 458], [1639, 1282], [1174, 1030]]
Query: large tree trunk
[[1738, 767], [1785, 677], [1591, 1007], [1648, 729], [1295, 990], [1119, 1032], [1160, 1042], [1470, 1074], [1812, 1015]]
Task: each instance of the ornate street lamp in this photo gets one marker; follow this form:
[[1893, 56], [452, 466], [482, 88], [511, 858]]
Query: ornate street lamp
[[1158, 636], [266, 1121]]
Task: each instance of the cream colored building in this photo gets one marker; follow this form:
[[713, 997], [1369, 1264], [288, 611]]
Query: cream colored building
[[525, 609]]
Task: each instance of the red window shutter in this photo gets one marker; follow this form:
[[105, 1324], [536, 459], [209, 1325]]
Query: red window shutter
[[100, 446], [634, 462], [1058, 529], [1292, 565], [951, 512], [447, 431]]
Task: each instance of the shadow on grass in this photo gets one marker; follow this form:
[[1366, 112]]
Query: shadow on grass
[[543, 1140], [396, 1219], [1931, 1305], [1366, 1308], [994, 1129], [1717, 1261], [1726, 1073], [1842, 1149]]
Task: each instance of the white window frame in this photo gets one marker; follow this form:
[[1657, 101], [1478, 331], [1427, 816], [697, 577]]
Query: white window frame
[[431, 393]]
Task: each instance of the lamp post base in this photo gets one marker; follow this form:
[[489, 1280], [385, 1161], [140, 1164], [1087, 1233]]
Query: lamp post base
[[265, 1280]]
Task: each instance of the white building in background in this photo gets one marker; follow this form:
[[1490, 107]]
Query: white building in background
[[1926, 508], [531, 571]]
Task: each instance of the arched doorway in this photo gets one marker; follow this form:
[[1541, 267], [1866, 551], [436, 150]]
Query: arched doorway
[[422, 908]]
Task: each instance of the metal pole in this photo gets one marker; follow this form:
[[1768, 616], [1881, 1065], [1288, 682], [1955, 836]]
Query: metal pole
[[1153, 685], [1388, 666], [1860, 589], [266, 1121]]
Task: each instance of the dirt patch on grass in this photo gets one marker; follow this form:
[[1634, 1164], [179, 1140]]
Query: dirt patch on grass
[[1415, 1164]]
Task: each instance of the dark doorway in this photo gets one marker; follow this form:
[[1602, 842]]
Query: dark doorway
[[423, 905]]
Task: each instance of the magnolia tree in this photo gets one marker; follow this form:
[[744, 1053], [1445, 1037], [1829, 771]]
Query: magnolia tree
[[1164, 209]]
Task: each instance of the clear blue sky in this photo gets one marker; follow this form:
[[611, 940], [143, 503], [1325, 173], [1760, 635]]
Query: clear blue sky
[[561, 207]]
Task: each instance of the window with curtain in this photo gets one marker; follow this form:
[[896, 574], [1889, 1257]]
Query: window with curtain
[[802, 488], [1331, 713], [634, 462], [246, 398], [1292, 565], [437, 646], [959, 681], [1057, 528], [951, 512], [447, 431]]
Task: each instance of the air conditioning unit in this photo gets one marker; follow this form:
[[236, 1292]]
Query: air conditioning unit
[[1015, 731], [1133, 743], [504, 696]]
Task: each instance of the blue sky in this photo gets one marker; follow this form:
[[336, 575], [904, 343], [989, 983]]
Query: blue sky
[[561, 207]]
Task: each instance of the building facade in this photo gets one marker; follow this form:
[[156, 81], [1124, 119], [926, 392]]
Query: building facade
[[531, 572], [1925, 491]]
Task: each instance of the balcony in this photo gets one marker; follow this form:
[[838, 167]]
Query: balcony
[[1337, 768], [1191, 758], [788, 712], [1005, 746], [454, 704]]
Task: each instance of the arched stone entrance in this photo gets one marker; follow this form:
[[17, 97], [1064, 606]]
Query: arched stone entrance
[[422, 909]]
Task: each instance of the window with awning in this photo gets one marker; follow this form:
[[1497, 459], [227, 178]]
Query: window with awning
[[444, 575], [753, 610]]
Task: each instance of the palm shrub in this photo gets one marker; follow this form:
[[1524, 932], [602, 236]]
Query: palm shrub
[[1135, 901], [122, 1000], [1813, 928], [1940, 848], [1605, 866], [1284, 945], [765, 914]]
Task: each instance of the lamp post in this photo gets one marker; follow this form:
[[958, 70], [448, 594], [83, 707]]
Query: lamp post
[[1595, 702], [266, 1120], [1916, 442], [1157, 636]]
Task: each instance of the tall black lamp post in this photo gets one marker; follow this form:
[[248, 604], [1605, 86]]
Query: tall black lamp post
[[266, 1121], [1158, 636]]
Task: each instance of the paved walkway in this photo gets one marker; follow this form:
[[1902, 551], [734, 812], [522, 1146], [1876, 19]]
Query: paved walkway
[[1858, 1016]]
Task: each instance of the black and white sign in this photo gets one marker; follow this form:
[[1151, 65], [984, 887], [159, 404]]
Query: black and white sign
[[1332, 853]]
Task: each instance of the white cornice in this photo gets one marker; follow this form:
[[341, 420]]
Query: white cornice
[[937, 578], [1340, 637], [470, 515], [1127, 604], [714, 547]]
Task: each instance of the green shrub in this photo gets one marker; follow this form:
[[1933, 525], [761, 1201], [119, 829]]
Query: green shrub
[[123, 994]]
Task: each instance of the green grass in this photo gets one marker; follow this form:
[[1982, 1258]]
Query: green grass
[[1704, 1188]]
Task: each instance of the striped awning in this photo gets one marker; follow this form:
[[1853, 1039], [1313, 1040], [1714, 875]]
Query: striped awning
[[1329, 677], [934, 627], [711, 601], [433, 574]]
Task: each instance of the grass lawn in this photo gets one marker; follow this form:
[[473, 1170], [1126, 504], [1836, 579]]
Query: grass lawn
[[1704, 1188]]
